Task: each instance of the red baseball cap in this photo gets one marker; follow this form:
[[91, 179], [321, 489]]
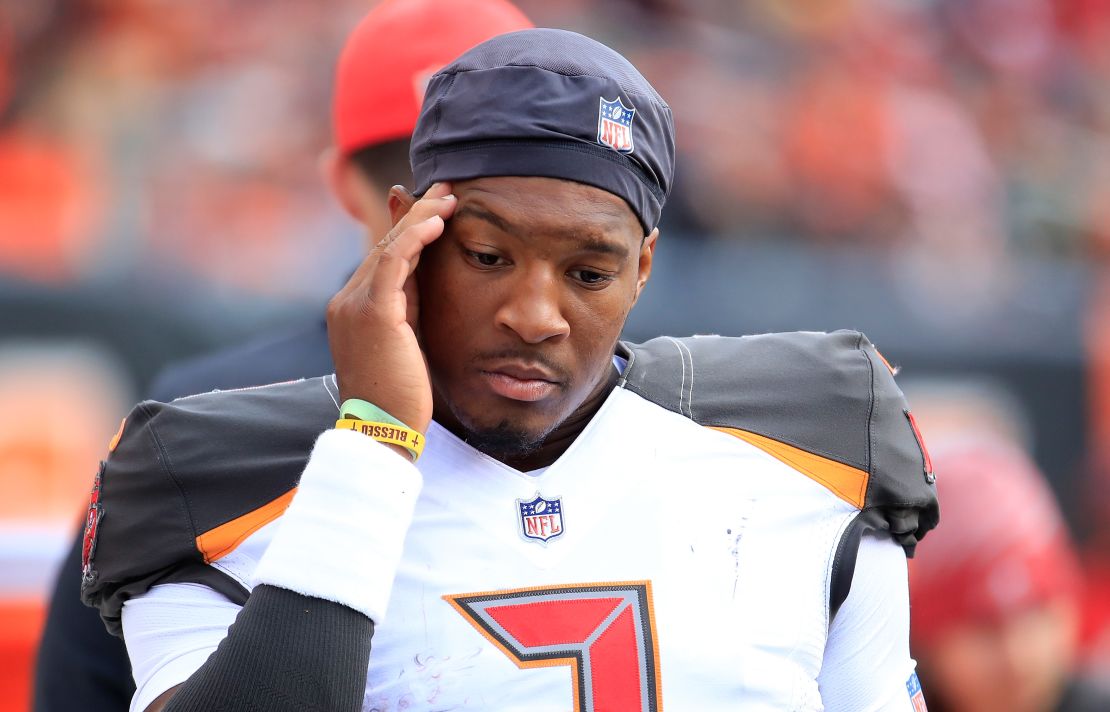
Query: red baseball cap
[[389, 57], [1002, 545]]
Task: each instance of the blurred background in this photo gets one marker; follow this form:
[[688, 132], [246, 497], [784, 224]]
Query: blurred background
[[935, 173]]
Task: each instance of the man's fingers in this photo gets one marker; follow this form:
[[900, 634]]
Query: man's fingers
[[397, 262], [441, 207], [399, 257], [437, 201], [438, 190]]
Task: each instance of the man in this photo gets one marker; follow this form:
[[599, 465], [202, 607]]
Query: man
[[584, 523], [379, 84]]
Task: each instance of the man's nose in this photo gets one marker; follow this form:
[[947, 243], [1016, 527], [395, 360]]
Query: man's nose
[[533, 308]]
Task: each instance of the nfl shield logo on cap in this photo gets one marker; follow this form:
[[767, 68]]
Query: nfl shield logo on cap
[[614, 125], [540, 519]]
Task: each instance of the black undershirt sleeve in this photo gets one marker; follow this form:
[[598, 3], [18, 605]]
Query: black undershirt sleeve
[[286, 652]]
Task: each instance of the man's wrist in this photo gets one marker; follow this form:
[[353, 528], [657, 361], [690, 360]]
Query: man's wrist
[[351, 491], [400, 451], [358, 409], [387, 433]]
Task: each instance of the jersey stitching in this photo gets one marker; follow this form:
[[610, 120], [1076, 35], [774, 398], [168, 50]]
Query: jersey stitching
[[682, 363], [683, 351], [335, 400], [227, 570], [216, 391], [167, 467], [690, 393], [630, 358], [196, 395], [870, 413]]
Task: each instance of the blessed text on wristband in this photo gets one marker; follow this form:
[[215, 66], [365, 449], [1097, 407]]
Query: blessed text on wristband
[[390, 433]]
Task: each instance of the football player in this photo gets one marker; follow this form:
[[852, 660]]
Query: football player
[[507, 505]]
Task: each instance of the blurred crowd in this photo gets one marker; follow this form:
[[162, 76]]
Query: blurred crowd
[[139, 134], [173, 140], [975, 127], [160, 144]]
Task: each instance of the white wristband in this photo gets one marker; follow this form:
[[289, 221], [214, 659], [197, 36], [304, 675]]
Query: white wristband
[[342, 537]]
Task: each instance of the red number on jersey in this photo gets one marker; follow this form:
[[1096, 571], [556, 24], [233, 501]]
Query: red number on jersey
[[604, 632]]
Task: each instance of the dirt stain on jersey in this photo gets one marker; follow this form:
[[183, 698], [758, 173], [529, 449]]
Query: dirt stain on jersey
[[734, 544]]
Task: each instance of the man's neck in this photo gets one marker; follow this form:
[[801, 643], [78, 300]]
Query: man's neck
[[559, 439], [554, 444]]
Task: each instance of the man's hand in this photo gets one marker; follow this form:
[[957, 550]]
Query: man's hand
[[372, 321]]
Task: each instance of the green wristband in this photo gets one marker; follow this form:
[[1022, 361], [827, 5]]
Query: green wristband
[[356, 409]]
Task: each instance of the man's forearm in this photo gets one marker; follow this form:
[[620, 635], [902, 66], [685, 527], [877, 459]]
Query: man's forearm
[[285, 652], [302, 640]]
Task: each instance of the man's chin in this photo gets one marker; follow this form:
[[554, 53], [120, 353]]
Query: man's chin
[[503, 441]]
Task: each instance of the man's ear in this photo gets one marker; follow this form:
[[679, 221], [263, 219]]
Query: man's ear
[[348, 185], [400, 203], [647, 256]]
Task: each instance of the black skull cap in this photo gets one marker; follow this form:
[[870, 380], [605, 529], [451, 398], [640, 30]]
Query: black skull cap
[[550, 103]]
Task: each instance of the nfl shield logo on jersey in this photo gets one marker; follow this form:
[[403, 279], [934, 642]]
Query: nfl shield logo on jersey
[[614, 125], [540, 519], [917, 697]]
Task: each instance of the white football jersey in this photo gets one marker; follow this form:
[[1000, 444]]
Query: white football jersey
[[702, 545], [678, 555], [657, 561]]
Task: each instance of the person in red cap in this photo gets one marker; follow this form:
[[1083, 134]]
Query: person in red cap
[[379, 85], [994, 591]]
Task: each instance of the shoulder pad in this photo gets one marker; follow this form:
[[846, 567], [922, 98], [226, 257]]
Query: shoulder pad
[[826, 399], [187, 481]]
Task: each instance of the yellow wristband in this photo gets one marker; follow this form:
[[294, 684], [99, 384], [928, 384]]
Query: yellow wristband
[[386, 433]]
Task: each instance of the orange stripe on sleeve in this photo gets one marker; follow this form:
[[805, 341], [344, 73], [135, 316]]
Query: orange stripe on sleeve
[[221, 541], [889, 367], [847, 482], [114, 443]]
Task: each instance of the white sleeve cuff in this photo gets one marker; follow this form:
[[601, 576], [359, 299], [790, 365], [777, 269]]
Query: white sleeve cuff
[[867, 657], [170, 631], [342, 537]]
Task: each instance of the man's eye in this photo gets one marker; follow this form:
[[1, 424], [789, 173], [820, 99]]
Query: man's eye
[[588, 276], [485, 259]]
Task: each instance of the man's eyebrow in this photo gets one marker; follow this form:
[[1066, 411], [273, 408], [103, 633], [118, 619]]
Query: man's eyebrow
[[593, 243], [472, 210], [587, 241]]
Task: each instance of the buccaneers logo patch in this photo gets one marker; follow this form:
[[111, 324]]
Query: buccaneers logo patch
[[92, 523]]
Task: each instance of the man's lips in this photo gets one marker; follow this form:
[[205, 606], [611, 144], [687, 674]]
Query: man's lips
[[520, 382]]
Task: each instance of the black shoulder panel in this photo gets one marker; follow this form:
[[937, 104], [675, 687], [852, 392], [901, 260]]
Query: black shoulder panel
[[184, 468], [831, 395]]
